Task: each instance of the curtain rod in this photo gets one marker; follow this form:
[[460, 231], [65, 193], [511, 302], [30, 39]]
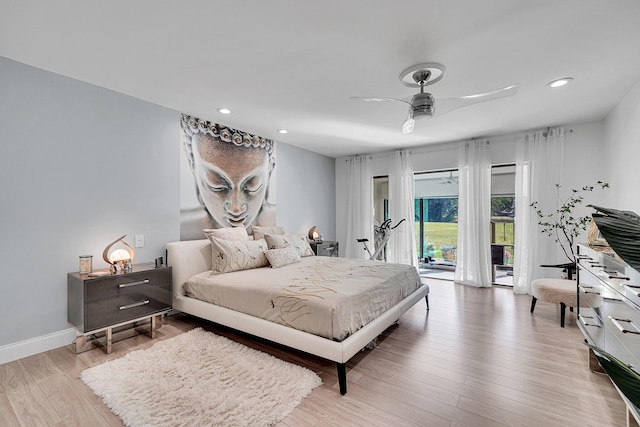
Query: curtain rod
[[445, 146]]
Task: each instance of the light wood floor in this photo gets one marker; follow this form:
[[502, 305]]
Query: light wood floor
[[477, 358]]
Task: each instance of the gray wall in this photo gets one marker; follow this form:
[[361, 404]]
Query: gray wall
[[306, 191], [80, 167]]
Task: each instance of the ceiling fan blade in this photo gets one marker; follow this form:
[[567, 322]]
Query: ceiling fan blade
[[447, 105], [377, 99], [407, 126]]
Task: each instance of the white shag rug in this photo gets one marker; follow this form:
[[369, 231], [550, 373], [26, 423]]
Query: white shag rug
[[200, 379]]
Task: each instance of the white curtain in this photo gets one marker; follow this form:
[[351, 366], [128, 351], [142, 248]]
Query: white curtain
[[360, 212], [539, 159], [473, 263], [402, 243]]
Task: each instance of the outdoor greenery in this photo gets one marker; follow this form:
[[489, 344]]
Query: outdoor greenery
[[503, 206], [441, 228], [442, 209], [436, 235], [561, 224], [504, 233]]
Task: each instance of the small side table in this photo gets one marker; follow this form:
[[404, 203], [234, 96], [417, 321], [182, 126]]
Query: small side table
[[569, 268], [124, 304], [326, 248]]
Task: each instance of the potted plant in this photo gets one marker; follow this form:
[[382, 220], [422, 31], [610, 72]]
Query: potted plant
[[561, 224]]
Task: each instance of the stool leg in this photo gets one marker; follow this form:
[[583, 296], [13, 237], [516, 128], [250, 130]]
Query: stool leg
[[426, 298], [563, 308], [533, 303]]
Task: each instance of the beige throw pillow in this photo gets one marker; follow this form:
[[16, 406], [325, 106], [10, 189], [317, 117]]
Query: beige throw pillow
[[298, 242], [281, 257], [227, 233], [259, 232], [236, 255]]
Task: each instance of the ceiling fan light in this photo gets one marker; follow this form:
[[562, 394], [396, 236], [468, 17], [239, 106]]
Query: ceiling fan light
[[422, 105]]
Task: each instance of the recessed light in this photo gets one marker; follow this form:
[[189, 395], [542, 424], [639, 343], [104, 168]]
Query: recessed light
[[283, 131], [224, 111], [560, 82]]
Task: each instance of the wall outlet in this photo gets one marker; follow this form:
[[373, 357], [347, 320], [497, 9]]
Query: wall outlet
[[139, 241]]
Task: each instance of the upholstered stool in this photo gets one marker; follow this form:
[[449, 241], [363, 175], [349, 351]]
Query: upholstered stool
[[556, 291]]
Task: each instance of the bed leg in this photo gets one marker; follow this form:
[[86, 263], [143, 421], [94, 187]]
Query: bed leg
[[426, 298], [342, 377]]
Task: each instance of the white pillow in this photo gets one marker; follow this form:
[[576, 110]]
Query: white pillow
[[227, 233], [259, 232], [281, 257], [298, 242], [236, 255]]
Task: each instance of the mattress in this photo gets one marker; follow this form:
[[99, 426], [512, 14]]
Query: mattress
[[325, 296]]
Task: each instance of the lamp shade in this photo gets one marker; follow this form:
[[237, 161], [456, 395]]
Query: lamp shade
[[119, 255], [314, 234]]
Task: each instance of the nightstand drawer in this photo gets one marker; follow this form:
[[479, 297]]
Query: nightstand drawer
[[115, 285], [108, 311], [326, 248]]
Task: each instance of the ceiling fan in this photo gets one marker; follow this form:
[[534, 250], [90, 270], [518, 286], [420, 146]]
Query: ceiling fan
[[449, 180], [423, 104]]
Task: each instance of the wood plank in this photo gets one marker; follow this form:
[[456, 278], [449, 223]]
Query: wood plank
[[7, 416], [30, 404]]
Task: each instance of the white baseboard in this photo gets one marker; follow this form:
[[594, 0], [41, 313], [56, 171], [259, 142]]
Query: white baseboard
[[15, 351]]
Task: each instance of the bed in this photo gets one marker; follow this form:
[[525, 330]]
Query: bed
[[279, 304]]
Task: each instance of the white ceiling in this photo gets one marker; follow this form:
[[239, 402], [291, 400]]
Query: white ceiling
[[294, 63]]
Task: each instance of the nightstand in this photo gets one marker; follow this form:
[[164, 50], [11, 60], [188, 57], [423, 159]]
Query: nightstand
[[326, 248], [123, 304]]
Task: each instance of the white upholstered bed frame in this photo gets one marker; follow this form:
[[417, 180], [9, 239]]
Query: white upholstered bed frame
[[194, 256]]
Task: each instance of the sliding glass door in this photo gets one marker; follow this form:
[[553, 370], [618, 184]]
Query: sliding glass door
[[436, 218], [503, 204]]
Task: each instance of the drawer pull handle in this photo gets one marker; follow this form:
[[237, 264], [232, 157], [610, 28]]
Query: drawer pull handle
[[135, 304], [139, 282], [588, 290], [586, 322], [619, 277], [621, 328], [584, 257]]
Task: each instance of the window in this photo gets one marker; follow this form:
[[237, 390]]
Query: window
[[503, 203]]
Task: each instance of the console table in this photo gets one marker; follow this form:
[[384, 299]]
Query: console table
[[609, 311]]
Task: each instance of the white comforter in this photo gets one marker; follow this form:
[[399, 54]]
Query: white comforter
[[326, 296]]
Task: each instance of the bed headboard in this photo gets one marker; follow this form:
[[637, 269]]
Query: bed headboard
[[187, 258]]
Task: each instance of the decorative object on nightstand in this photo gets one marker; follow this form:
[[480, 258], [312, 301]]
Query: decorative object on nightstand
[[314, 235], [120, 259], [104, 307], [86, 264], [325, 248]]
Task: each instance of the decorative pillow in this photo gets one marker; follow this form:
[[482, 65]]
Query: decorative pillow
[[298, 242], [227, 233], [259, 232], [281, 257], [236, 255]]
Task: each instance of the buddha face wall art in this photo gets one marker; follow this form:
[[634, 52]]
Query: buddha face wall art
[[227, 178]]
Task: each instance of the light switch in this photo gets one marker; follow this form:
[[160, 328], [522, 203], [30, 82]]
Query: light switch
[[139, 240]]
